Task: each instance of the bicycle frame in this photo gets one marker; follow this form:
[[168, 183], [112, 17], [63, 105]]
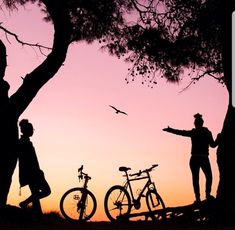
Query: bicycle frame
[[120, 199], [86, 178], [147, 186]]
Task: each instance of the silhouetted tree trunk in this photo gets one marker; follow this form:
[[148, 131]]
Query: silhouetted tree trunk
[[12, 107], [226, 148], [9, 133]]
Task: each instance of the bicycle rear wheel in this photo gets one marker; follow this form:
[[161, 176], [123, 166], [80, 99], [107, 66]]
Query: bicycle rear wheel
[[117, 202], [155, 204], [78, 204]]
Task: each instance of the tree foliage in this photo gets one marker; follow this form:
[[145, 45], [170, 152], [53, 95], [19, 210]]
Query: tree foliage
[[172, 36], [90, 19], [159, 37]]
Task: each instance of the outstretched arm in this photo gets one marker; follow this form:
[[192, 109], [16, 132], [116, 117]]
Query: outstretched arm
[[168, 129], [186, 133]]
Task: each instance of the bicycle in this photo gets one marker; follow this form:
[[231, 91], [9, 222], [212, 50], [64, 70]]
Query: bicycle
[[78, 204], [118, 201]]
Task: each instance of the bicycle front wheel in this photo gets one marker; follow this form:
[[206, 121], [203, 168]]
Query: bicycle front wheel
[[117, 202], [78, 204], [155, 204]]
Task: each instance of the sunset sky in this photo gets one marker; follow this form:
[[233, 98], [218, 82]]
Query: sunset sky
[[74, 124]]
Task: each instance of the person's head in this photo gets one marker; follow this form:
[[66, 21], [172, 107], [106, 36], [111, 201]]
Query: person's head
[[198, 122], [26, 128]]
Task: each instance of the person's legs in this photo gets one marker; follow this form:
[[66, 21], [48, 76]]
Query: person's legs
[[34, 199], [206, 168], [37, 194], [195, 167]]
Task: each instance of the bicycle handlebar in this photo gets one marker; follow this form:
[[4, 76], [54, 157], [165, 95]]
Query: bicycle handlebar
[[80, 169], [81, 174], [144, 171]]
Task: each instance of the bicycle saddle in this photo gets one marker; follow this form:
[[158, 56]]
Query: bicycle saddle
[[124, 169]]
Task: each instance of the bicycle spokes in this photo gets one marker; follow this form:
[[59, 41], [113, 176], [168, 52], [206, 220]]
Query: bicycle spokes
[[117, 202], [78, 204]]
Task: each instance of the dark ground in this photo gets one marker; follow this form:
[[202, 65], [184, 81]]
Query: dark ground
[[113, 226], [182, 218]]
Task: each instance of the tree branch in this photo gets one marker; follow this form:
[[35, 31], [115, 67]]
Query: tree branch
[[146, 12], [199, 76], [48, 68], [40, 47]]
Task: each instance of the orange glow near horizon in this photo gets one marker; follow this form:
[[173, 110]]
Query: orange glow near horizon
[[74, 124]]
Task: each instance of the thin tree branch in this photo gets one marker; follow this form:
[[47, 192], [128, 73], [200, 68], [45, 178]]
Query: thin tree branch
[[40, 47], [199, 76]]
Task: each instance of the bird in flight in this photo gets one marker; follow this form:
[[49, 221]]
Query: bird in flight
[[117, 110]]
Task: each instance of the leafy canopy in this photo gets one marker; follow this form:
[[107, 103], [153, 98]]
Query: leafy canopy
[[160, 37], [172, 36]]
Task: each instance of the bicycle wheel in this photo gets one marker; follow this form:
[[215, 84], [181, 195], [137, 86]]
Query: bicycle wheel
[[117, 202], [78, 204], [154, 202]]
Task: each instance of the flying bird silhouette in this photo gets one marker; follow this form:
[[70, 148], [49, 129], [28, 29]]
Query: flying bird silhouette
[[117, 110]]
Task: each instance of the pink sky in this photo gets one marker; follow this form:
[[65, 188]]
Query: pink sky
[[74, 124]]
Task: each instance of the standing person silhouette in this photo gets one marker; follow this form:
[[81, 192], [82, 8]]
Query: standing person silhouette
[[201, 139], [29, 171]]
